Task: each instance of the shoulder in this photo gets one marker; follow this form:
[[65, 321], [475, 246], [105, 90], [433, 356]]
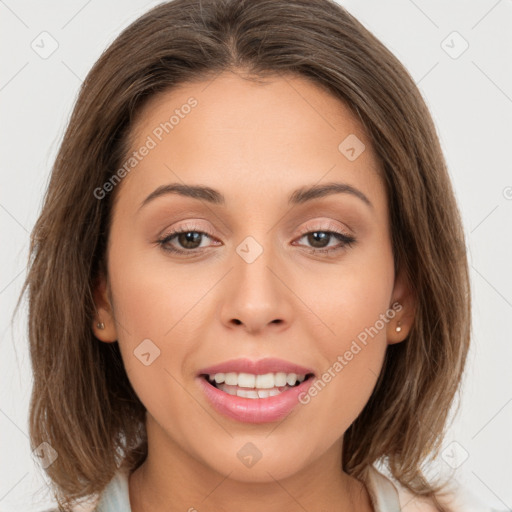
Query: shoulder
[[410, 502], [114, 498], [454, 498]]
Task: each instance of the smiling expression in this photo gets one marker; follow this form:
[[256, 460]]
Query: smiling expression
[[285, 254]]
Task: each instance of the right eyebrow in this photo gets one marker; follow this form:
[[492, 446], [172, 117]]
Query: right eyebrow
[[194, 191]]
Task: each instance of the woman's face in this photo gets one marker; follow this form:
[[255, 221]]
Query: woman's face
[[274, 266]]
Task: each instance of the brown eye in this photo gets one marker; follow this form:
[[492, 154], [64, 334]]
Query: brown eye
[[189, 239], [319, 240], [184, 241]]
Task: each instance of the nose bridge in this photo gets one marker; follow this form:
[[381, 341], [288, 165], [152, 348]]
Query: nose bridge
[[256, 296]]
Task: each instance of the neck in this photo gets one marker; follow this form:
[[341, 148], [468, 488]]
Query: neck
[[171, 480]]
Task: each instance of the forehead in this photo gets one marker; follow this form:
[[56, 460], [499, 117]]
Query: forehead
[[285, 106], [242, 135]]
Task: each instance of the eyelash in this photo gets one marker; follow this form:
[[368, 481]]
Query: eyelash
[[346, 240]]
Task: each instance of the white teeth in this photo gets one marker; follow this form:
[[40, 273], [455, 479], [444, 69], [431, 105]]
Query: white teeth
[[246, 380], [251, 393], [265, 381], [230, 390], [232, 378], [251, 381], [247, 393], [291, 378], [280, 379]]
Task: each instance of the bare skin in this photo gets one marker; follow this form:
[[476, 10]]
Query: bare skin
[[255, 144]]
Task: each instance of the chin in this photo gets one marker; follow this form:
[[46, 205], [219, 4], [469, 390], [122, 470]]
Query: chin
[[257, 461]]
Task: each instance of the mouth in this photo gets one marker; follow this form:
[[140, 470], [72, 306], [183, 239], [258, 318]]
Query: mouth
[[250, 391], [253, 386]]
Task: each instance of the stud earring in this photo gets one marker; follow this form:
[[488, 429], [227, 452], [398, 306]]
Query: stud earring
[[398, 328], [100, 325]]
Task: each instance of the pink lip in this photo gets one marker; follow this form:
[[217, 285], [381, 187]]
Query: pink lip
[[260, 367], [250, 410], [254, 410]]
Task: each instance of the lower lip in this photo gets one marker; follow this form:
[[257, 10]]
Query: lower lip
[[254, 410]]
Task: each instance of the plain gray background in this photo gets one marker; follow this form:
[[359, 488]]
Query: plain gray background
[[469, 92]]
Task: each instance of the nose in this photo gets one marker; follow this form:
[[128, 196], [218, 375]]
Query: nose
[[256, 297]]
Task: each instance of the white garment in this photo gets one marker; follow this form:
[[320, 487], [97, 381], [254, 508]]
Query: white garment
[[386, 496]]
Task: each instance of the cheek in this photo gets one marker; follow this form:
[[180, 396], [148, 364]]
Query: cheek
[[349, 298], [353, 357], [151, 295], [353, 305], [145, 309], [154, 333], [158, 311]]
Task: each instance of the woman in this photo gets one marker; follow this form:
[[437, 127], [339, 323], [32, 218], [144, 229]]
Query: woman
[[249, 283]]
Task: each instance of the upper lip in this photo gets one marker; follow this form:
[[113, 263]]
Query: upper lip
[[259, 367]]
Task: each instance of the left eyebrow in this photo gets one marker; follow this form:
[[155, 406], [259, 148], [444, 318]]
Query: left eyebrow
[[305, 194], [298, 196]]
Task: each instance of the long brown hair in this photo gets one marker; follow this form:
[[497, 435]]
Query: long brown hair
[[82, 402]]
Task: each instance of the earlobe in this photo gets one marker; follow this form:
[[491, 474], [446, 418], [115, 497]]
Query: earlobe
[[397, 331], [404, 300], [103, 324]]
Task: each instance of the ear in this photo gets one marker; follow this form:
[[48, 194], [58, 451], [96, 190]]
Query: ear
[[404, 300], [104, 312]]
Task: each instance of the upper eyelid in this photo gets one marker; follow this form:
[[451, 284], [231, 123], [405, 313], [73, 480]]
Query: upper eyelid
[[319, 226], [329, 226], [313, 220], [302, 231]]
